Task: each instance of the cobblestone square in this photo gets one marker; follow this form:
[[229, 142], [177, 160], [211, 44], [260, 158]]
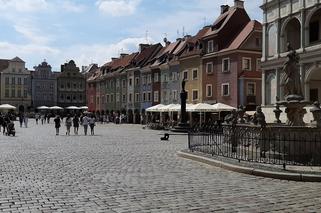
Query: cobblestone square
[[126, 168]]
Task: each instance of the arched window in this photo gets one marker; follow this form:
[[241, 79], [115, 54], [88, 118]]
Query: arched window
[[292, 34], [315, 27], [270, 89], [272, 40]]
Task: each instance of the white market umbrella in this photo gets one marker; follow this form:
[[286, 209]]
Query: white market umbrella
[[43, 108], [223, 107], [56, 108], [168, 108], [155, 108], [84, 107], [73, 108], [201, 107], [7, 107]]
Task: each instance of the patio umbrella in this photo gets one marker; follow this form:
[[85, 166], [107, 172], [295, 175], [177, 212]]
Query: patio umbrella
[[73, 107], [7, 107], [155, 108], [43, 108], [201, 107], [56, 108], [84, 107]]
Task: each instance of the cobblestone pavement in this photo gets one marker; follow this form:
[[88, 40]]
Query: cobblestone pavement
[[128, 169]]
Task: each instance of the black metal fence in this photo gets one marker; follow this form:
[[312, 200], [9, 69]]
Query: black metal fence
[[279, 145]]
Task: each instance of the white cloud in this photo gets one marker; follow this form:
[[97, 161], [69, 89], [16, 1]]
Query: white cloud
[[73, 7], [23, 5], [32, 34], [118, 7]]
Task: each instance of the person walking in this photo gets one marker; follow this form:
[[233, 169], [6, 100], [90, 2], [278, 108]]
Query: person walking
[[76, 124], [25, 120], [37, 116], [57, 124], [21, 119], [85, 122], [68, 124], [42, 117], [92, 123]]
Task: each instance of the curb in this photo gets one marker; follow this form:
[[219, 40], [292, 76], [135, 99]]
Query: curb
[[251, 171]]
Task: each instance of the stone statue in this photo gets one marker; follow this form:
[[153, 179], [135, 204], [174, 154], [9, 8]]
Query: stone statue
[[241, 111], [292, 85], [316, 111], [231, 118], [183, 85], [259, 117], [277, 113]]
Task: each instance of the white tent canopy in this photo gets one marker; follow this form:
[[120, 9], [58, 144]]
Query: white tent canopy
[[7, 107], [219, 107], [72, 107], [201, 107], [84, 107], [155, 108], [43, 108], [171, 108], [56, 108]]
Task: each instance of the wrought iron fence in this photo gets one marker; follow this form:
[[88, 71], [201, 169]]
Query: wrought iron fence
[[279, 145]]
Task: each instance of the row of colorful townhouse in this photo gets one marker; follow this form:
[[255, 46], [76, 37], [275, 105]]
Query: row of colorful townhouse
[[221, 63]]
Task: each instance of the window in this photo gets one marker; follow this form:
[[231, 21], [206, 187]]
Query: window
[[130, 99], [19, 93], [91, 99], [149, 96], [144, 79], [175, 97], [195, 95], [165, 77], [13, 81], [117, 97], [226, 89], [7, 93], [210, 46], [137, 97], [258, 64], [246, 64], [209, 90], [117, 83], [68, 85], [107, 99], [174, 76], [25, 81], [124, 98], [164, 95], [7, 81], [251, 89], [19, 81], [185, 75], [136, 81], [209, 67], [156, 96], [156, 77], [195, 74], [144, 96], [124, 83], [25, 93], [112, 98], [130, 82], [314, 31], [13, 93], [272, 38], [226, 65], [13, 69], [149, 78]]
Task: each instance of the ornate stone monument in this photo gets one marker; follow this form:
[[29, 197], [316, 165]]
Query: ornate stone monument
[[294, 100], [277, 113], [183, 126], [316, 111]]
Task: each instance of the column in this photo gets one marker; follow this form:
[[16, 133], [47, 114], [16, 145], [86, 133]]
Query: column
[[263, 87], [278, 81], [264, 43], [302, 29]]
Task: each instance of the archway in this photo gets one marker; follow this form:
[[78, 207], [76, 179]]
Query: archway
[[291, 33], [313, 82], [270, 88], [272, 40], [314, 26]]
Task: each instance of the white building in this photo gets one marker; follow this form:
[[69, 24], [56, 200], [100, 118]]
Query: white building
[[299, 23]]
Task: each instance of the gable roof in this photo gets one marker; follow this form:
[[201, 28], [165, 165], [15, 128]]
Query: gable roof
[[4, 64], [243, 35], [17, 59], [147, 53]]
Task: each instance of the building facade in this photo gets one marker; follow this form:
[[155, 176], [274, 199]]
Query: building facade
[[44, 86], [15, 87], [299, 24], [71, 86]]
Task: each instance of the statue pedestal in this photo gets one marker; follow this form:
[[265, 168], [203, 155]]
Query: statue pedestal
[[295, 112]]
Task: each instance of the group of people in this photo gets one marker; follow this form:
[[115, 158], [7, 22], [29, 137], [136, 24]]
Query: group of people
[[75, 122], [6, 122]]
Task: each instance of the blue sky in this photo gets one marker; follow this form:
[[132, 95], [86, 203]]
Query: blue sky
[[96, 30]]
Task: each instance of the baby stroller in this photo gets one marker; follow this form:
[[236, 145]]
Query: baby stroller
[[10, 129]]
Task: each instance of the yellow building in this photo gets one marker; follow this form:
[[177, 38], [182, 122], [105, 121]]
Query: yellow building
[[15, 87]]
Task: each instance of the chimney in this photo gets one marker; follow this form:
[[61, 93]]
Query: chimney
[[113, 59], [62, 68], [122, 55], [239, 4], [224, 8], [143, 46]]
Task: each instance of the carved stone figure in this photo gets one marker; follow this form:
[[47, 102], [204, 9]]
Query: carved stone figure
[[231, 118], [316, 112], [292, 85], [183, 85], [241, 111], [259, 117], [277, 113]]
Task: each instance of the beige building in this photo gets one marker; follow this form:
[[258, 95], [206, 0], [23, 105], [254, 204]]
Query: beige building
[[15, 87]]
